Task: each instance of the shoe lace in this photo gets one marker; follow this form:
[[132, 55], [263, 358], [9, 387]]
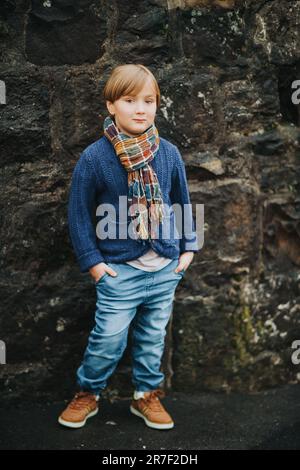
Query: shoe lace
[[81, 400], [153, 398]]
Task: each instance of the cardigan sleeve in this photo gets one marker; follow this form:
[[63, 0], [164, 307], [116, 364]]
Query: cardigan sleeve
[[81, 204], [180, 194]]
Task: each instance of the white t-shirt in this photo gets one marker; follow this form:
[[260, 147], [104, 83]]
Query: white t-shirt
[[150, 261]]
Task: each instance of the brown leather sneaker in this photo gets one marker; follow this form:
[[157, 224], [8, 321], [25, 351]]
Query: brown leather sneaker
[[83, 406], [151, 410]]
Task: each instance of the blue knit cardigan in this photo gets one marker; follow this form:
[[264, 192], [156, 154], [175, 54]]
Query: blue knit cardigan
[[100, 178]]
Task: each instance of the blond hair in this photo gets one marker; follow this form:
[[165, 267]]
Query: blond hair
[[128, 79]]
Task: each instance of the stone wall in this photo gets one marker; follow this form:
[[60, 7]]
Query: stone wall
[[225, 70]]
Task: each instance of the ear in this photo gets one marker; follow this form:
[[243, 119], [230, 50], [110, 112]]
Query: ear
[[110, 108]]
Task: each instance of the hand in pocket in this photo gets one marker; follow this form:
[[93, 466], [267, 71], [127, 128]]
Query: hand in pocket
[[99, 270]]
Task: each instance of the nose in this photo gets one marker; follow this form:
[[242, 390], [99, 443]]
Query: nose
[[140, 108]]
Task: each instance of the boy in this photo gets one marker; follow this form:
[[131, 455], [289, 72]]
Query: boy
[[135, 276]]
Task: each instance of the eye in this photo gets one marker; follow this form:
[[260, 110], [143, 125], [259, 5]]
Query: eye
[[149, 101]]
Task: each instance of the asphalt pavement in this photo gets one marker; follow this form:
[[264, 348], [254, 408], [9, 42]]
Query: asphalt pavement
[[266, 420]]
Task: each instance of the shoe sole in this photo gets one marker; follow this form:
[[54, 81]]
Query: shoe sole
[[150, 423], [79, 424]]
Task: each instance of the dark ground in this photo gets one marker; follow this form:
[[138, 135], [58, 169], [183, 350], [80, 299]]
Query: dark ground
[[267, 420]]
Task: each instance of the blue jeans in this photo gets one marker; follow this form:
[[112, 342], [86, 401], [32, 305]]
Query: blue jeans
[[143, 298]]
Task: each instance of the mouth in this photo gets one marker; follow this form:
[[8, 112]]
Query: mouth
[[140, 120]]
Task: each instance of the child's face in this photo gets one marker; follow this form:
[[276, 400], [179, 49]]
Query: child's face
[[128, 108]]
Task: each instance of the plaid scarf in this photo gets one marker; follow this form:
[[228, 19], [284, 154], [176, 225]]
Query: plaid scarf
[[144, 194]]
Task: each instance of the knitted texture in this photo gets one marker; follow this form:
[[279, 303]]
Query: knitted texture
[[98, 179]]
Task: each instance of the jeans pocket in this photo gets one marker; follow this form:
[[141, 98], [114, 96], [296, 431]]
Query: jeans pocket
[[99, 280], [179, 275], [103, 276]]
